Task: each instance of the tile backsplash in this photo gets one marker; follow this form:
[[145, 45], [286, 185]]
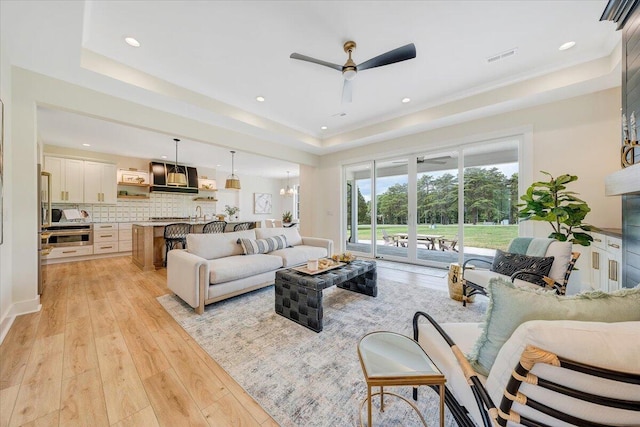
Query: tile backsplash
[[158, 205]]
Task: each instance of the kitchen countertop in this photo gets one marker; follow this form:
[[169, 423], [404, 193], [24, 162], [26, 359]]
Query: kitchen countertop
[[611, 232]]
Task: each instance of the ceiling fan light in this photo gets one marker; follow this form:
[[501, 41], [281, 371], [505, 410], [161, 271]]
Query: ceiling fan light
[[349, 73]]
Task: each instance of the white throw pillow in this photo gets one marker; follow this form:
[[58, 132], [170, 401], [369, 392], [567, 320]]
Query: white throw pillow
[[291, 233]]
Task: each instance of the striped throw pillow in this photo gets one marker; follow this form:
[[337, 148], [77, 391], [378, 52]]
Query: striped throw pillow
[[263, 246]]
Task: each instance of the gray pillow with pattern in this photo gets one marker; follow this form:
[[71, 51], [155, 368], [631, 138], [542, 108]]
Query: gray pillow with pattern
[[508, 263]]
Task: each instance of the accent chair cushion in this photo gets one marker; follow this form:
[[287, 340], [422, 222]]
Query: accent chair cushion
[[508, 263], [263, 246], [613, 346], [510, 306]]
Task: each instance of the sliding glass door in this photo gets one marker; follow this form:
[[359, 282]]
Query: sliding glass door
[[434, 208]]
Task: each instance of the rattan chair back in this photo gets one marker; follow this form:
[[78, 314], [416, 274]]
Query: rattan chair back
[[244, 226], [214, 227]]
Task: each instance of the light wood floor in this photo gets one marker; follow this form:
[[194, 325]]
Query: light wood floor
[[103, 351]]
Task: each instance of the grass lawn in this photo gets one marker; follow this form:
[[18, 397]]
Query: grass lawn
[[479, 236]]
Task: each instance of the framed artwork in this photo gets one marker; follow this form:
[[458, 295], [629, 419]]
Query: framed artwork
[[261, 203]]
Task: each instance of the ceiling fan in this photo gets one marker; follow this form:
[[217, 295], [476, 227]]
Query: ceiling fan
[[350, 69], [434, 160]]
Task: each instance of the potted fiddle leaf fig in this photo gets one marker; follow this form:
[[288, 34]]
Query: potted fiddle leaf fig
[[549, 201]]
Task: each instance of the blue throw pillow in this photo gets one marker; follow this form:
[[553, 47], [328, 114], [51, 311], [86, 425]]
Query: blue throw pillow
[[510, 306]]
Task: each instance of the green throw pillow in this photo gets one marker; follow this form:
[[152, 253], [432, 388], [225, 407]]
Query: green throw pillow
[[510, 306]]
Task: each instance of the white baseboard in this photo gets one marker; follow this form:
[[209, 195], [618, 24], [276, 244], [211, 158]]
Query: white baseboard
[[17, 309]]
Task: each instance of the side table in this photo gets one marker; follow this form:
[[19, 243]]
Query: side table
[[392, 359]]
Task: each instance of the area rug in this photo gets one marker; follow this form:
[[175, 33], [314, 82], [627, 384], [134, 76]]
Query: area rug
[[303, 378]]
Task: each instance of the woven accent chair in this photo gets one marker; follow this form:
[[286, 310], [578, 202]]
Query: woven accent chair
[[244, 226], [534, 386], [214, 227], [475, 281], [175, 234]]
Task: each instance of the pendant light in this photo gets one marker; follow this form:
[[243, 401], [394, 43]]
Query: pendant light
[[177, 176], [233, 182], [288, 191]]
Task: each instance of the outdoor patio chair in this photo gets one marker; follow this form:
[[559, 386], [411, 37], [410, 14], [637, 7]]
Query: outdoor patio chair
[[545, 263], [388, 240], [448, 244]]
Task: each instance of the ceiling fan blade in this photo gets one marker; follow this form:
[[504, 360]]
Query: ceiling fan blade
[[347, 90], [396, 55], [316, 61]]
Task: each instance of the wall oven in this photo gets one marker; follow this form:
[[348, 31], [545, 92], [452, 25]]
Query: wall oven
[[70, 234]]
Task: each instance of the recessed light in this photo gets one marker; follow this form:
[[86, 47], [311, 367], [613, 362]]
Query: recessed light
[[567, 45], [132, 41], [260, 98], [164, 157], [86, 145], [218, 166], [406, 100], [323, 127]]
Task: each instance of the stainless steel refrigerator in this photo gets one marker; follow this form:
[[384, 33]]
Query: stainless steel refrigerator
[[44, 220]]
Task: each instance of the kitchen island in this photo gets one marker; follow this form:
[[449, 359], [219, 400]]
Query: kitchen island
[[148, 241]]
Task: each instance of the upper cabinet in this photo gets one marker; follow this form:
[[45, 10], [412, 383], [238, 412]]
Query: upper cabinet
[[100, 182], [67, 179], [79, 181]]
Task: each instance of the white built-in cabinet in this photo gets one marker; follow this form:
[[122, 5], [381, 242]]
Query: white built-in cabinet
[[81, 181], [67, 179], [606, 262], [100, 182]]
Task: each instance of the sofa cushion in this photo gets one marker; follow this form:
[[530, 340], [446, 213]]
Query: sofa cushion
[[239, 266], [510, 306], [609, 345], [217, 245], [300, 254], [508, 263], [263, 246], [291, 233]]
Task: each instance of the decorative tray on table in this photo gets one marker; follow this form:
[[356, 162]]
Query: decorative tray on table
[[329, 263]]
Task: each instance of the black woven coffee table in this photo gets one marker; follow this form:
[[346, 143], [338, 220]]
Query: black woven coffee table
[[299, 295]]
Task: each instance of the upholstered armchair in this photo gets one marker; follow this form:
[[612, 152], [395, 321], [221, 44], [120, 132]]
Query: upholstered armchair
[[529, 262]]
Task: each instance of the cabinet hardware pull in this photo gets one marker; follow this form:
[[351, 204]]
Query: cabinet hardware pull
[[613, 270], [107, 235], [69, 252], [613, 245], [106, 247], [595, 260], [62, 195], [106, 226]]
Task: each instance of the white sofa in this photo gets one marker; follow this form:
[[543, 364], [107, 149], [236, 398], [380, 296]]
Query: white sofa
[[213, 267]]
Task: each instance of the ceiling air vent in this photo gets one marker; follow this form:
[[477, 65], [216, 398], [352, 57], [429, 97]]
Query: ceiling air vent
[[502, 55]]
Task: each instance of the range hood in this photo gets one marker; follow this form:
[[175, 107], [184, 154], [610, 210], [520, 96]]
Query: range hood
[[159, 172], [624, 181]]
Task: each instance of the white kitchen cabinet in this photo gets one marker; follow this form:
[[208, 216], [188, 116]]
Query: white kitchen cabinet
[[125, 237], [614, 263], [67, 179], [68, 252], [100, 183], [606, 262]]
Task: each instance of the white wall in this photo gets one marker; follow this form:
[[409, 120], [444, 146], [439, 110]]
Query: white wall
[[6, 258], [580, 136]]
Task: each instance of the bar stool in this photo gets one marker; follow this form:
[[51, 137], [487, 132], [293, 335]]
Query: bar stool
[[174, 234], [214, 227], [244, 226]]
